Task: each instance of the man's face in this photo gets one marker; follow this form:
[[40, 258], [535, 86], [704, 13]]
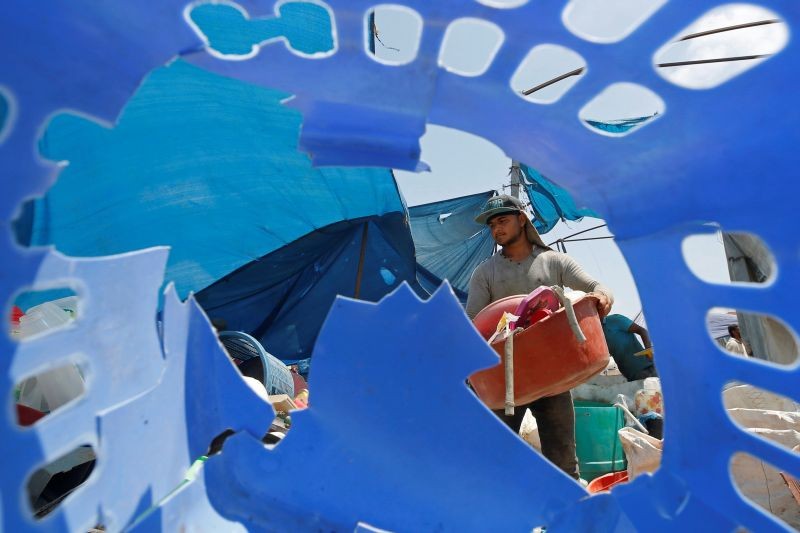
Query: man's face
[[507, 229], [736, 334]]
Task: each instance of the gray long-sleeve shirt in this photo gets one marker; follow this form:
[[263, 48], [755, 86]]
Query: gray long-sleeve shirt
[[498, 277]]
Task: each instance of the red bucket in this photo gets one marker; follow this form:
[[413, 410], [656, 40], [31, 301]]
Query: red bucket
[[605, 482], [548, 359]]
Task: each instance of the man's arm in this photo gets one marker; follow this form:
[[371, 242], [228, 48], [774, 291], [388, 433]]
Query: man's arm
[[642, 332], [478, 296], [574, 277]]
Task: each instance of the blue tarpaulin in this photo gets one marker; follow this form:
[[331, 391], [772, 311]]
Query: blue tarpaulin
[[223, 188], [550, 203], [449, 243], [233, 197], [283, 298]]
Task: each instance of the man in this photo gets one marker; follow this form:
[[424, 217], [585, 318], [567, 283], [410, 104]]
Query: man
[[524, 264], [620, 332], [735, 344]]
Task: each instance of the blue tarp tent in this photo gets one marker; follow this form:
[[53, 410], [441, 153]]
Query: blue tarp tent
[[449, 243], [283, 298]]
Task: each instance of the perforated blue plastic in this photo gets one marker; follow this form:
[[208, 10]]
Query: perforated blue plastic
[[651, 186]]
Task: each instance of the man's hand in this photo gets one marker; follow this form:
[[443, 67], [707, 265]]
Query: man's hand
[[603, 303]]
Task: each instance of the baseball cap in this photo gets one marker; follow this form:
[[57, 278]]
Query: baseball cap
[[503, 204]]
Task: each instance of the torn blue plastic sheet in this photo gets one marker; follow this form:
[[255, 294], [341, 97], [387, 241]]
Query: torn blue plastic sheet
[[651, 186], [358, 437], [211, 169], [619, 125], [549, 202]]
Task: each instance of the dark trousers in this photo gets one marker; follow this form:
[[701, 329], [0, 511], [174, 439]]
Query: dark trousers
[[555, 417]]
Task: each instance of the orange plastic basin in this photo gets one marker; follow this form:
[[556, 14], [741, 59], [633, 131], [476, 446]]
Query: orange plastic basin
[[548, 359], [604, 483]]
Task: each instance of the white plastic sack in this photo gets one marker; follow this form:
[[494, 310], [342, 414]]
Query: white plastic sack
[[760, 418], [605, 389], [763, 484], [749, 397], [529, 430], [642, 451], [757, 480]]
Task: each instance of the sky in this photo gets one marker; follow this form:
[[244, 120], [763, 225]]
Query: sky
[[463, 163]]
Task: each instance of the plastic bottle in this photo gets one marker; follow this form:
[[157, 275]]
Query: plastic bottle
[[648, 399]]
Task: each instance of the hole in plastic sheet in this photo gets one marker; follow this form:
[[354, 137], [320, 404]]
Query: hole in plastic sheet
[[607, 21], [755, 335], [35, 312], [48, 486], [392, 34], [547, 73], [767, 487], [729, 257], [43, 394], [218, 442], [7, 113], [230, 33], [621, 109], [737, 37], [503, 4], [469, 46]]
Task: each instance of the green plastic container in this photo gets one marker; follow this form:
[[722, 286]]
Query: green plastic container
[[598, 446]]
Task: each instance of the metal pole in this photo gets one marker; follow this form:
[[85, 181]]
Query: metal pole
[[516, 173], [372, 29], [579, 233], [360, 271]]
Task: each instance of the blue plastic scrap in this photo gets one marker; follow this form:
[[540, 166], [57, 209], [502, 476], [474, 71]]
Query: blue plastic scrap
[[142, 413], [365, 452], [651, 186]]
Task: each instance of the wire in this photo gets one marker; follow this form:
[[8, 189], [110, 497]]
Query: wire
[[554, 80], [730, 28], [716, 60]]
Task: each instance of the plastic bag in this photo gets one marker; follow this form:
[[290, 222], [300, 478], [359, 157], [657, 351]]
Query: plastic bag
[[642, 451]]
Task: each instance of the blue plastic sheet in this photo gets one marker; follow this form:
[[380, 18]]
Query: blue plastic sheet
[[362, 359], [448, 241], [211, 169], [651, 187], [549, 202]]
